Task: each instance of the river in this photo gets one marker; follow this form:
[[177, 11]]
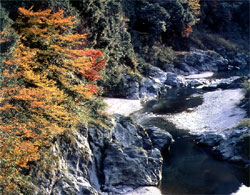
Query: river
[[186, 113]]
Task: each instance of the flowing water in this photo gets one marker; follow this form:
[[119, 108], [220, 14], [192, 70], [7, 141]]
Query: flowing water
[[188, 168]]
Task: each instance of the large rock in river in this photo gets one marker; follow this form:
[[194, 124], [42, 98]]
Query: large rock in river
[[160, 138], [232, 145]]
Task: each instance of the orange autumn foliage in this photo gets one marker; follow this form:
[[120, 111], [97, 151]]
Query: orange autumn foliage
[[2, 37], [50, 74], [186, 30]]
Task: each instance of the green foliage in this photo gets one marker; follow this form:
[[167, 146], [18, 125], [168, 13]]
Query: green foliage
[[107, 30], [158, 55], [124, 28], [155, 17], [8, 38], [241, 15], [181, 15], [65, 5], [246, 86], [5, 21], [107, 20], [132, 33]]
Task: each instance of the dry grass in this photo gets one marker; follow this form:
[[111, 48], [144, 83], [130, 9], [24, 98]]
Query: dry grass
[[244, 123]]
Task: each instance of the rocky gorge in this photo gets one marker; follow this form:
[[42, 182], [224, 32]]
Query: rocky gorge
[[126, 157], [132, 97]]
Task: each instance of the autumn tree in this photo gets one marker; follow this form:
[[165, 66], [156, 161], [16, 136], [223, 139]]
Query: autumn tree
[[51, 75], [194, 6]]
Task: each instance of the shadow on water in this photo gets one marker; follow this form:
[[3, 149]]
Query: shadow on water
[[190, 169], [176, 100], [228, 74]]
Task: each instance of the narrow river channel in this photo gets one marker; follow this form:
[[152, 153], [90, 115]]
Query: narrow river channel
[[185, 114]]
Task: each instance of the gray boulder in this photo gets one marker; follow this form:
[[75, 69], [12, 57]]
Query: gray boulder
[[129, 87], [149, 88], [115, 160], [231, 82], [97, 137], [224, 83], [186, 68], [195, 83], [205, 60], [160, 138], [240, 61], [131, 167], [210, 140], [126, 133], [198, 61], [157, 74], [175, 80], [232, 145]]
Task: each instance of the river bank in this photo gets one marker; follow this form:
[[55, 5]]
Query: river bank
[[195, 115]]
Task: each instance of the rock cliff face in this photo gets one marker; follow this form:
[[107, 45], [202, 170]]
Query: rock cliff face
[[128, 159], [98, 160], [68, 171]]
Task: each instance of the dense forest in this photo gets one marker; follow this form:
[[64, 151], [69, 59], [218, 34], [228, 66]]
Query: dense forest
[[135, 33], [59, 56]]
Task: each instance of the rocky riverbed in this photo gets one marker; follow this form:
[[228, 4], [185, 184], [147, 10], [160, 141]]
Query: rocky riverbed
[[194, 69], [194, 164], [211, 123]]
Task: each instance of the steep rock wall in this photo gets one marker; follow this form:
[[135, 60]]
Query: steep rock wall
[[97, 160]]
